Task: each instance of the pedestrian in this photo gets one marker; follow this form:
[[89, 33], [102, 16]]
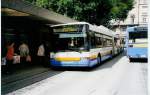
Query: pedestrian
[[41, 54], [24, 53], [9, 57]]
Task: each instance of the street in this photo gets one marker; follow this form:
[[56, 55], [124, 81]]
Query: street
[[115, 77]]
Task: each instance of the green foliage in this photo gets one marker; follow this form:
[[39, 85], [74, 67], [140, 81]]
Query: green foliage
[[92, 11], [121, 8]]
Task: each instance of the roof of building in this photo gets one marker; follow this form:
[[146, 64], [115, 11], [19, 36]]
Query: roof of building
[[99, 29]]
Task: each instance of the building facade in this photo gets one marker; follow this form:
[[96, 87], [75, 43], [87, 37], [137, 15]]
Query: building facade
[[137, 16]]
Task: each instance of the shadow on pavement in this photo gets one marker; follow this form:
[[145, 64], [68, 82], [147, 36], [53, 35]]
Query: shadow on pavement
[[110, 62]]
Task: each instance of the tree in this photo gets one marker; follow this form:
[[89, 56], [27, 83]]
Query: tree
[[98, 12]]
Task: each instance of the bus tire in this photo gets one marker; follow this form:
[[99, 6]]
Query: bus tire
[[111, 53]]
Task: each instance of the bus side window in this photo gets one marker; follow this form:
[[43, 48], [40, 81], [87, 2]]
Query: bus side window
[[104, 42], [134, 40], [109, 42], [93, 40], [98, 42]]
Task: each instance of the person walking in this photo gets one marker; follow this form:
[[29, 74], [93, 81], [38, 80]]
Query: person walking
[[9, 57]]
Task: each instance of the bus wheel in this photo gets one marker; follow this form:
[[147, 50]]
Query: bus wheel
[[111, 53]]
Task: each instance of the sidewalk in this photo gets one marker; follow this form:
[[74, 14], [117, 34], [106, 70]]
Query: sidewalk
[[135, 80]]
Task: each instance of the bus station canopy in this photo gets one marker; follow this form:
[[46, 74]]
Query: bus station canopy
[[20, 8]]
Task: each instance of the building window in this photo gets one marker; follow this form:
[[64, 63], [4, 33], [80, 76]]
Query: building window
[[144, 6], [144, 13], [144, 19], [124, 29], [143, 1]]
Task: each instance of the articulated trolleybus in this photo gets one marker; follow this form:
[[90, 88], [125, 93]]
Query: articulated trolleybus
[[137, 42], [81, 44]]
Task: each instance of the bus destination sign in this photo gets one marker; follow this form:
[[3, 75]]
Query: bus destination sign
[[68, 28]]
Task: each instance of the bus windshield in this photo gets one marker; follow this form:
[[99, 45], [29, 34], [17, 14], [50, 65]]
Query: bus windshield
[[72, 43], [70, 37], [137, 37]]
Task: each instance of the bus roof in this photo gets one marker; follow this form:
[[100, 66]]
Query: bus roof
[[99, 29], [73, 23], [137, 28]]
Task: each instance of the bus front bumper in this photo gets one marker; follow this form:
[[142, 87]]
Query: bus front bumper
[[81, 63]]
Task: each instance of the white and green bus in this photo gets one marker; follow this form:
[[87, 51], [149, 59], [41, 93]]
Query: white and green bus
[[81, 44]]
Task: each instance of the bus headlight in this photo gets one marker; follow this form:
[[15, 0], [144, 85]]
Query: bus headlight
[[52, 54]]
